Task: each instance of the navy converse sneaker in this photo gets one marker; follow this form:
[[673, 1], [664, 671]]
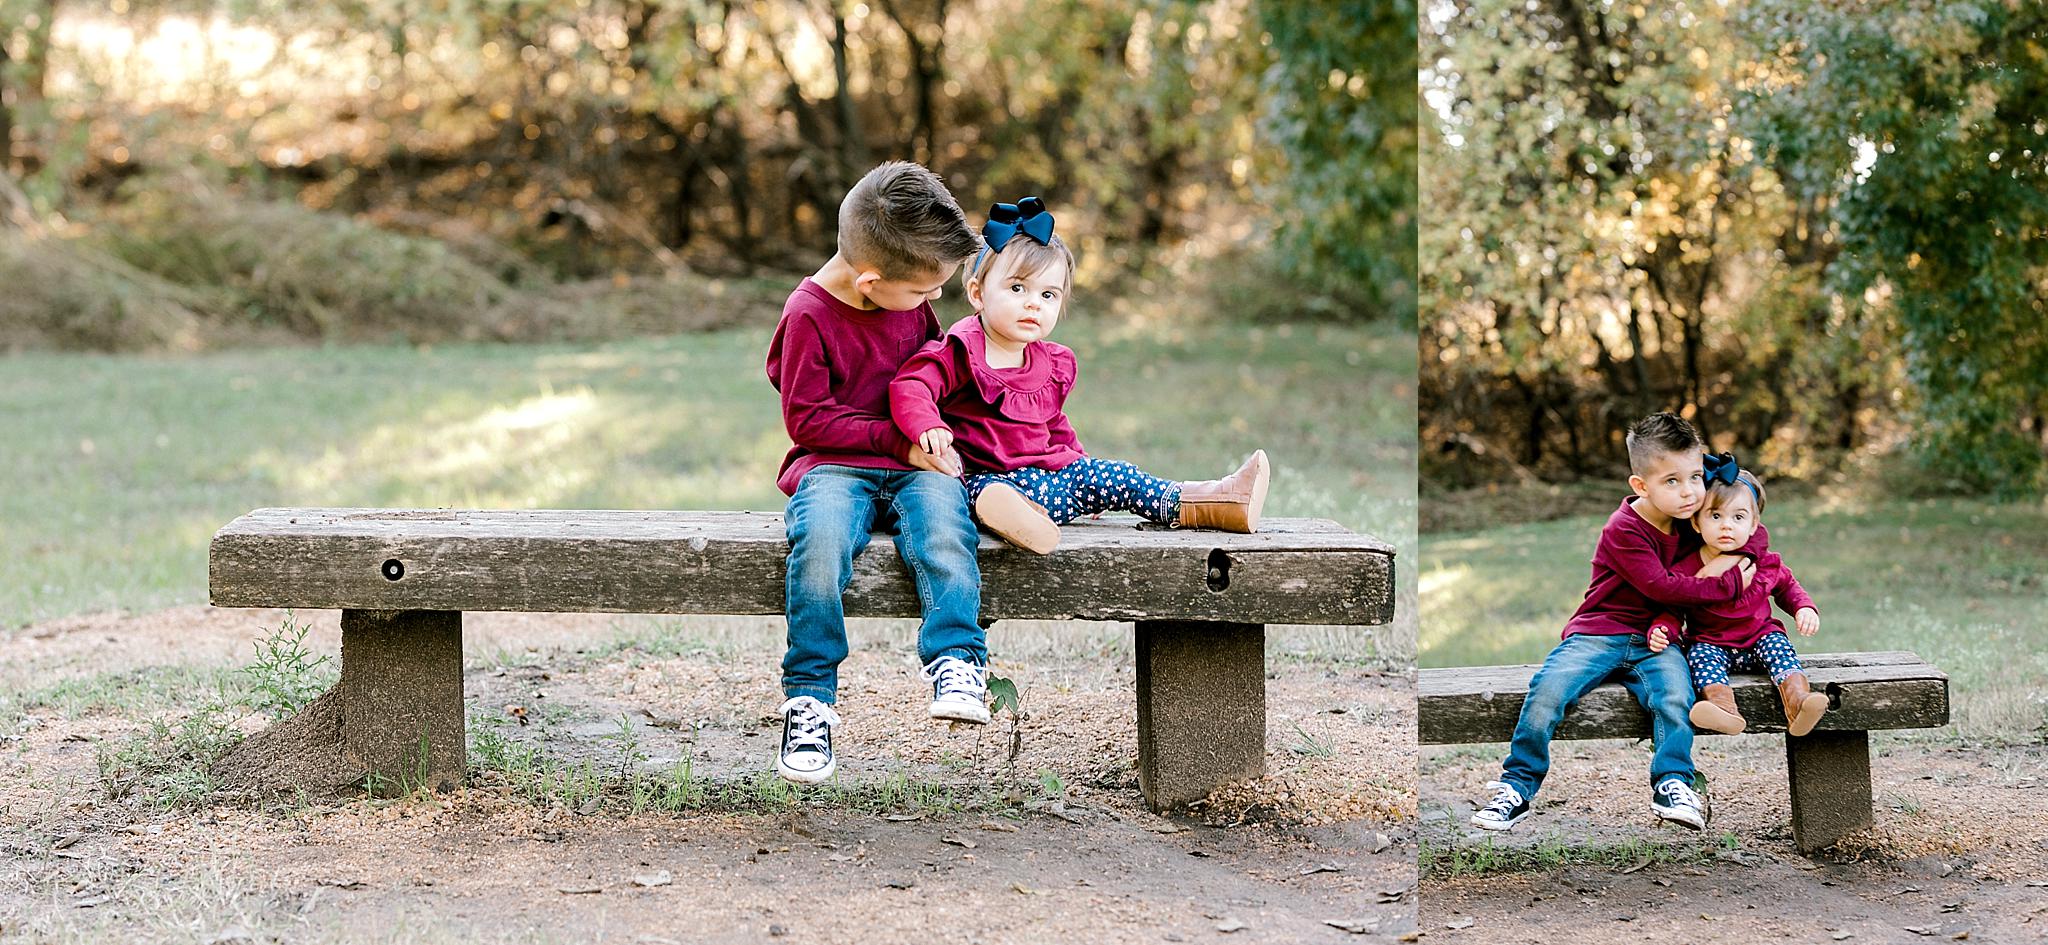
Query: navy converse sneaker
[[806, 755], [959, 690], [1507, 808], [1674, 800]]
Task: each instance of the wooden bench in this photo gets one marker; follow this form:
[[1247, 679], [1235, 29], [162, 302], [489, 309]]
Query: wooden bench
[[402, 579], [1829, 769]]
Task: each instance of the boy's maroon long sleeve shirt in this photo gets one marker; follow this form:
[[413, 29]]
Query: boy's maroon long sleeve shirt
[[1634, 576], [832, 364]]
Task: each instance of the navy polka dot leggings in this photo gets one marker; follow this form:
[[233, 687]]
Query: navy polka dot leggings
[[1773, 654], [1087, 486]]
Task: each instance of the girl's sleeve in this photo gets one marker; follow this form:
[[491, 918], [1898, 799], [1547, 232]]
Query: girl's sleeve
[[1674, 626], [1789, 594], [924, 380], [1059, 431], [1639, 563], [814, 419]]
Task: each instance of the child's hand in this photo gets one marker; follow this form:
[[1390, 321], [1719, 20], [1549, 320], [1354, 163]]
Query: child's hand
[[936, 441], [948, 464], [1808, 620], [1748, 571], [1659, 638]]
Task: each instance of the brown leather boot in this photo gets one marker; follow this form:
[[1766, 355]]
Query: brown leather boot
[[1716, 711], [1803, 706], [1016, 519], [1232, 503]]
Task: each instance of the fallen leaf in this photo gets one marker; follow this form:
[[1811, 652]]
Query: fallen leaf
[[901, 818], [1916, 930], [344, 883], [1026, 890], [1231, 924], [1838, 936], [900, 883], [94, 901], [1379, 844], [651, 880], [959, 842], [1323, 868], [1461, 922], [1354, 926], [999, 828], [67, 841], [578, 890]]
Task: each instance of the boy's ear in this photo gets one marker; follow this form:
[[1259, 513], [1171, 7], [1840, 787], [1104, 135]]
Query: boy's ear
[[865, 280], [1636, 482]]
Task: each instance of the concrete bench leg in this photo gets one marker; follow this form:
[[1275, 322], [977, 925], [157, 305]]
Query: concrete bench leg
[[1830, 775], [401, 697], [1201, 708]]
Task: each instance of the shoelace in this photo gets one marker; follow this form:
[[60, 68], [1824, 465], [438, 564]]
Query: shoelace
[[1505, 797], [957, 677], [811, 726], [1680, 793]]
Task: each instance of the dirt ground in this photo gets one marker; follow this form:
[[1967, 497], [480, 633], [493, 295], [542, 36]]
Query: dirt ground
[[1322, 849], [1959, 850]]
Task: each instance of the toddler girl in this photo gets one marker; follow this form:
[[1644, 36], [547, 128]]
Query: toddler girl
[[1742, 636], [992, 392]]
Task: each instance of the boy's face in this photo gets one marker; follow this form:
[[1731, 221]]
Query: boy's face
[[1673, 483], [902, 295], [1728, 526], [1022, 309]]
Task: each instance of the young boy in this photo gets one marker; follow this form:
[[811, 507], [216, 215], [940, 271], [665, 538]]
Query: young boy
[[1607, 638], [844, 332]]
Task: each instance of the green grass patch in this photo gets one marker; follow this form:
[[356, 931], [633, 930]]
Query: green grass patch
[[1452, 857], [1960, 582], [120, 468], [623, 784]]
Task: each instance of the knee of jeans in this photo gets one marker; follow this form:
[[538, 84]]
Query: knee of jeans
[[1542, 708]]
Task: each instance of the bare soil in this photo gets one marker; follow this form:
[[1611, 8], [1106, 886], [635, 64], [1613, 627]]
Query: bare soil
[[1053, 845], [1959, 850]]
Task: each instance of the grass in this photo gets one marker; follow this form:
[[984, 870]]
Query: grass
[[120, 468], [622, 784], [1961, 582], [1448, 856]]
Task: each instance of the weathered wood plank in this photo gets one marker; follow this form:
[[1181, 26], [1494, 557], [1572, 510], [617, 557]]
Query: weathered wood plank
[[1293, 571], [1867, 692]]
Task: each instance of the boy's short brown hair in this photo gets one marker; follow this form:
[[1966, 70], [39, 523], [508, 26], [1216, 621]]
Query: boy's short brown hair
[[900, 221], [1660, 434]]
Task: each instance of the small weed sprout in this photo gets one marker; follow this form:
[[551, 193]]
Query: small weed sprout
[[285, 675]]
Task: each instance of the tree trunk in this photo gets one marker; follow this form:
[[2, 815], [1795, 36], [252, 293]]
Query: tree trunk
[[853, 149]]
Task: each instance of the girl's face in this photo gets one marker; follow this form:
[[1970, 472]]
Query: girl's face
[[1021, 309], [1727, 526]]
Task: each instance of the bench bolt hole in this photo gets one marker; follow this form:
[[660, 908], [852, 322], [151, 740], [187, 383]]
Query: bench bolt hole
[[1219, 570], [393, 569]]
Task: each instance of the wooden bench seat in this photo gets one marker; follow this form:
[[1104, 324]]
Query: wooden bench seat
[[1200, 601], [1829, 769]]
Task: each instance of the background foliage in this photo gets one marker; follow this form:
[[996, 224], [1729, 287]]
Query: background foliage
[[1813, 225], [489, 168]]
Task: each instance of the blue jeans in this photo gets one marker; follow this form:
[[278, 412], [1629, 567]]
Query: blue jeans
[[829, 521], [1658, 680]]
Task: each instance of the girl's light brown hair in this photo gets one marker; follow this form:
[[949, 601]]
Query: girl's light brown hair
[[1720, 493], [1022, 257]]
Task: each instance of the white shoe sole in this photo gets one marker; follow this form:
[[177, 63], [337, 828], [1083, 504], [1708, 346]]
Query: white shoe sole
[[805, 777], [1680, 817], [959, 712], [1508, 824]]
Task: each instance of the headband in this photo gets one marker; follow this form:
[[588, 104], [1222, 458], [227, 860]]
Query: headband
[[1721, 467]]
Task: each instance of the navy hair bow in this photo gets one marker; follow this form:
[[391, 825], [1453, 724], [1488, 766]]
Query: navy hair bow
[[1006, 220], [1721, 467]]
